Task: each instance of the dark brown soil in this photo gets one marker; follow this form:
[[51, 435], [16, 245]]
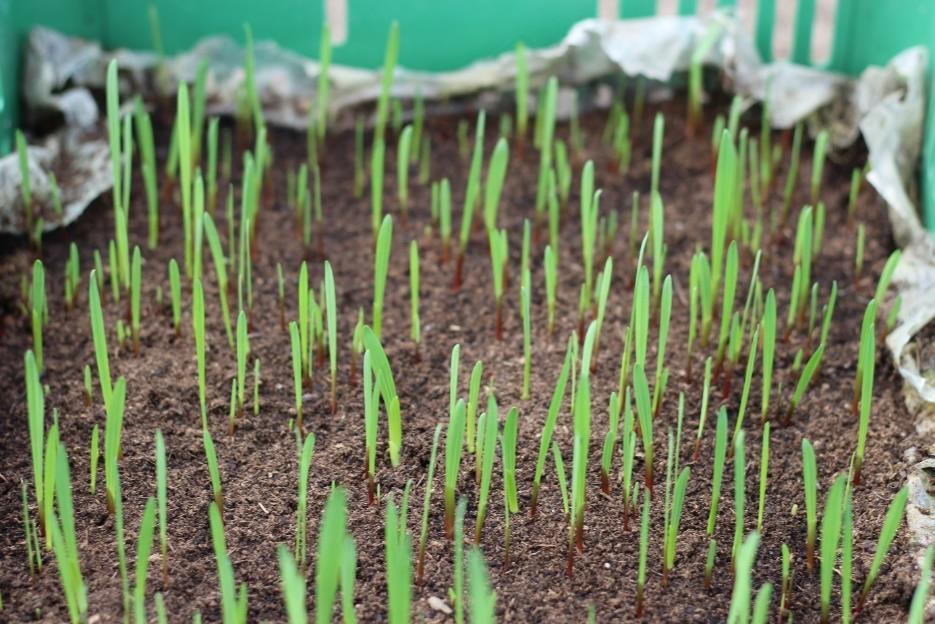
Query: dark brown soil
[[258, 463]]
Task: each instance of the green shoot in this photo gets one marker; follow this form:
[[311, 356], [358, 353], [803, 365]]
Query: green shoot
[[214, 473], [332, 318], [175, 290], [233, 607], [293, 587], [550, 263], [296, 344], [610, 441], [830, 534], [198, 331], [330, 544], [380, 268], [808, 372], [376, 185], [454, 444], [739, 494], [768, 324], [398, 567], [644, 551], [220, 271], [810, 478], [471, 195], [25, 185], [793, 174], [143, 548], [359, 175], [720, 453], [386, 82], [426, 501], [818, 165], [659, 127], [891, 523], [472, 403], [486, 451], [95, 453], [644, 411], [301, 513], [415, 331], [548, 428], [161, 488], [402, 170], [35, 408], [920, 595], [496, 173], [483, 599], [144, 133], [324, 82], [384, 375], [672, 530], [498, 257], [508, 446], [65, 542], [527, 339], [743, 578], [38, 310], [764, 475]]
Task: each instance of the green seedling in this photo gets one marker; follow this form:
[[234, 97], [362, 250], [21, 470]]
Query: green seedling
[[548, 427], [662, 373], [589, 212], [747, 382], [72, 276], [810, 479], [398, 567], [143, 548], [610, 441], [43, 479], [805, 379], [324, 81], [161, 506], [921, 593], [444, 217], [371, 413], [296, 345], [472, 404], [381, 267], [527, 341], [672, 529], [415, 332], [546, 122], [720, 453], [39, 310], [95, 453], [301, 514], [847, 556], [644, 552], [786, 586], [891, 524], [454, 444], [418, 123], [695, 86], [198, 331], [644, 412], [727, 304], [65, 543], [498, 257], [768, 323], [376, 185], [886, 275], [144, 133], [402, 170], [471, 196], [582, 434], [331, 537], [764, 475], [426, 502], [22, 152], [113, 432], [740, 598], [830, 536], [212, 174], [386, 81], [332, 318], [214, 473], [725, 186], [220, 271], [740, 471], [561, 477], [136, 280], [486, 451], [710, 559], [508, 445], [233, 603], [359, 175], [496, 173], [387, 387], [482, 599], [550, 263], [818, 165], [293, 587], [793, 174]]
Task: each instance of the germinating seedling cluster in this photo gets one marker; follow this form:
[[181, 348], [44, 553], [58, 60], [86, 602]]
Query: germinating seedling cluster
[[751, 300]]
